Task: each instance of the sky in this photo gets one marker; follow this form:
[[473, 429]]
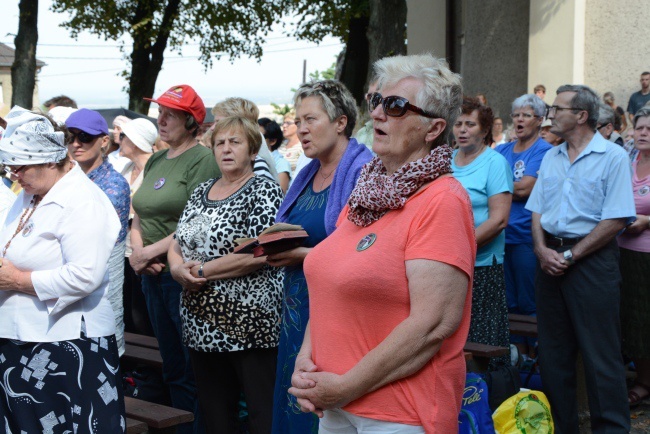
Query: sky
[[87, 69]]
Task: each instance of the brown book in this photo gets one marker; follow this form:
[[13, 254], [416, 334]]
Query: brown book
[[278, 238]]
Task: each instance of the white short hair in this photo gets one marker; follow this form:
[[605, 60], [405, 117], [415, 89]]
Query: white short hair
[[441, 93]]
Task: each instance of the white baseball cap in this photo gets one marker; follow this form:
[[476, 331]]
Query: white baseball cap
[[142, 132]]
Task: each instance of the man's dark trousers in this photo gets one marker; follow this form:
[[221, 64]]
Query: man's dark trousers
[[579, 311]]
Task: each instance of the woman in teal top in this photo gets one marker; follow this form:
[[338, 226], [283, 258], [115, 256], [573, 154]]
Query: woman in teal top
[[487, 177]]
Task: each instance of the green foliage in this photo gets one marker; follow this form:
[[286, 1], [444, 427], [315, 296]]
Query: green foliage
[[328, 74], [281, 110], [222, 27], [320, 18]]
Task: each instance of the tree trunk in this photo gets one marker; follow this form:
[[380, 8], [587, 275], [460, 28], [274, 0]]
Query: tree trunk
[[147, 59], [23, 70], [354, 64], [386, 31], [142, 81]]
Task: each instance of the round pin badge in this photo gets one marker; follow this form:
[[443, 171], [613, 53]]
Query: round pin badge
[[644, 190], [28, 229], [366, 242], [158, 185]]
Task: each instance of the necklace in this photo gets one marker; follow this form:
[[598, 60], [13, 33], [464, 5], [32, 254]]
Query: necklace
[[324, 176], [23, 221]]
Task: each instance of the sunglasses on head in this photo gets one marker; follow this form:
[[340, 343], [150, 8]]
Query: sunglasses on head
[[82, 136], [394, 106]]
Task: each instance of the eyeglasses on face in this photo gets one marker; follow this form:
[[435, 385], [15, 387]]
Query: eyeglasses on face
[[552, 110], [522, 115], [394, 106], [82, 136], [601, 126], [288, 123]]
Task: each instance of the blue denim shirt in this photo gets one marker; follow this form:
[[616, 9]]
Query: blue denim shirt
[[574, 197], [117, 190]]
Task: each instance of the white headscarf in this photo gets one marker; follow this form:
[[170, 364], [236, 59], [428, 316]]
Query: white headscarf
[[30, 139]]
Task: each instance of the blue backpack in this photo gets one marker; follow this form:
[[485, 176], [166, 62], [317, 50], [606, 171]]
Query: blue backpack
[[475, 415]]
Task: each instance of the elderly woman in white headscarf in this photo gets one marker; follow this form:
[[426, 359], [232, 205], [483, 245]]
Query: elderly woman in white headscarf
[[136, 143], [58, 350]]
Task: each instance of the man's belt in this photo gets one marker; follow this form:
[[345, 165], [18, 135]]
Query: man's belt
[[553, 241]]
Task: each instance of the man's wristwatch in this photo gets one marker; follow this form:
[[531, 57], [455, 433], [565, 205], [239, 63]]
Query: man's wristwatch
[[200, 272], [568, 257]]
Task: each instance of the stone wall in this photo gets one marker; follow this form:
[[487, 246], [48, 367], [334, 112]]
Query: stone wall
[[494, 51], [617, 46]]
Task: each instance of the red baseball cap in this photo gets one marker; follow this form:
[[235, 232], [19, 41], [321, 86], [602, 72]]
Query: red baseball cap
[[182, 97]]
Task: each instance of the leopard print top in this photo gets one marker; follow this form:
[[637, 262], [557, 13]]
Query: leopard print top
[[237, 313]]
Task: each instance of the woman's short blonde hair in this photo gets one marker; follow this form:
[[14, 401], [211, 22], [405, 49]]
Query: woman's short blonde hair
[[239, 107], [235, 123], [335, 98]]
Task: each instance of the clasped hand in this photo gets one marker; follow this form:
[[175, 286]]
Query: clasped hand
[[317, 391], [552, 262], [143, 265], [182, 274]]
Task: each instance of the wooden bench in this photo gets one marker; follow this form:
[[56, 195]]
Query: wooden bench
[[158, 418], [523, 325], [485, 351], [481, 355], [141, 340], [135, 426], [144, 355]]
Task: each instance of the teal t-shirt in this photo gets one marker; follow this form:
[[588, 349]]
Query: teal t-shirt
[[487, 175], [166, 187]]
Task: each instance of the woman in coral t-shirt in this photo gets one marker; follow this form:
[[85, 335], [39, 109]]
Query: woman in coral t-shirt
[[390, 289]]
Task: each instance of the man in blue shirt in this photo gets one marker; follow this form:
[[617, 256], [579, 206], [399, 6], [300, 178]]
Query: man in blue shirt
[[582, 199], [640, 98]]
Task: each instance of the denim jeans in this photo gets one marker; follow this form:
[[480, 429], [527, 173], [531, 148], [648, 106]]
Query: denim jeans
[[163, 296]]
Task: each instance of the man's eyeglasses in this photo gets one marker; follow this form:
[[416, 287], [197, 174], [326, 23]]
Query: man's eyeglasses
[[82, 136], [552, 110], [394, 106], [13, 170], [522, 115], [601, 126]]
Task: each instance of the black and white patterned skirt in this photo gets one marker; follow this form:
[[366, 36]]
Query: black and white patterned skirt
[[61, 387]]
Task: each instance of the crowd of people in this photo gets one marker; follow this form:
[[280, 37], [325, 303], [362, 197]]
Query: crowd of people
[[427, 225]]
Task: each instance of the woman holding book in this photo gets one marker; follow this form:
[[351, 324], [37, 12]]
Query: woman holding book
[[230, 307], [390, 289], [325, 117]]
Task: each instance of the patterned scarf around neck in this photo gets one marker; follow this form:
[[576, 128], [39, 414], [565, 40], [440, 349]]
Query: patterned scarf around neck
[[377, 192]]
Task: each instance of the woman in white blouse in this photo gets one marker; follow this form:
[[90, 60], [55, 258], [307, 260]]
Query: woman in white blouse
[[58, 355]]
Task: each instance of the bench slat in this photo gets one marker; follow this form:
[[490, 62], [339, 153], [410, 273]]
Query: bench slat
[[523, 329], [483, 350], [135, 426], [522, 318], [155, 415], [144, 355], [141, 340]]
